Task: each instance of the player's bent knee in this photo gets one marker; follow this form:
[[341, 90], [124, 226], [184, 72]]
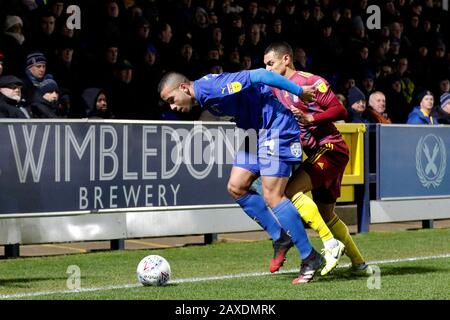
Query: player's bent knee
[[236, 191]]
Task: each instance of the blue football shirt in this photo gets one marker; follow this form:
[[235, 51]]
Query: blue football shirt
[[252, 106], [233, 94]]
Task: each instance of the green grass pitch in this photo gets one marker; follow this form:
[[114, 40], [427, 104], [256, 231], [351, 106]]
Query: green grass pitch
[[240, 271]]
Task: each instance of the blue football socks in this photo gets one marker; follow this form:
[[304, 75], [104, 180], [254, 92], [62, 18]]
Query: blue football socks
[[291, 222], [255, 207]]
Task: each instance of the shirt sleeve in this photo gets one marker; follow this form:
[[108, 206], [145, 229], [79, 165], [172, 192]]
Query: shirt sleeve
[[272, 79], [334, 111], [325, 97], [212, 88]]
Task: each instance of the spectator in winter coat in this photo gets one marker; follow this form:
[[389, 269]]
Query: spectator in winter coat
[[444, 109], [377, 108], [356, 106], [96, 104], [36, 73], [422, 114], [45, 102], [396, 105], [12, 43], [11, 103]]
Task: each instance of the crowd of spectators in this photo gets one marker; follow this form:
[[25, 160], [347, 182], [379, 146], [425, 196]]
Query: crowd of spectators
[[111, 66]]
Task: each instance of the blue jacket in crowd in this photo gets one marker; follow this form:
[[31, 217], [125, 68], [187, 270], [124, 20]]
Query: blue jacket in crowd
[[418, 117]]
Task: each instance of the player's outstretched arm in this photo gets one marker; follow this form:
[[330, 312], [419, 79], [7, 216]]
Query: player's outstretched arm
[[272, 79]]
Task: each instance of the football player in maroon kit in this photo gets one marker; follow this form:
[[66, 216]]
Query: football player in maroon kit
[[327, 154]]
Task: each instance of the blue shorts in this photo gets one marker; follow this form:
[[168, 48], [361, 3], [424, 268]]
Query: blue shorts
[[278, 146], [268, 167]]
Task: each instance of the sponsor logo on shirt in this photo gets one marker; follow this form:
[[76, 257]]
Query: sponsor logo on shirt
[[234, 87]]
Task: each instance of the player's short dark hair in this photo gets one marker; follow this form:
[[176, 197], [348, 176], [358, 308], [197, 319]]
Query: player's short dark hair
[[280, 48], [172, 79]]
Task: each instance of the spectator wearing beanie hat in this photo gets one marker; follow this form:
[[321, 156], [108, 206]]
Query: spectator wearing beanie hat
[[37, 59], [356, 106], [445, 102], [444, 109], [13, 43], [13, 27], [45, 101], [422, 114], [35, 74]]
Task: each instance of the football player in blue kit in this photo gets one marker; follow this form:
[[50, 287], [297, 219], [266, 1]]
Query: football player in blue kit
[[246, 97]]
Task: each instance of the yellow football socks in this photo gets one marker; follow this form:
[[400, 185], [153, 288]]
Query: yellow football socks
[[341, 232], [310, 214]]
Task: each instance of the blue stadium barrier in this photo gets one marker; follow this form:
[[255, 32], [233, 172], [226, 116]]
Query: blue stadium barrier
[[85, 180]]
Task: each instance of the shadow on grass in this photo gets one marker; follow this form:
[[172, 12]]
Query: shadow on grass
[[22, 282], [345, 275]]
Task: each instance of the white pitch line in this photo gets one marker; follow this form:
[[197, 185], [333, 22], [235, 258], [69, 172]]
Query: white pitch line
[[200, 279]]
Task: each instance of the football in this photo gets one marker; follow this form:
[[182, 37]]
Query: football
[[153, 270]]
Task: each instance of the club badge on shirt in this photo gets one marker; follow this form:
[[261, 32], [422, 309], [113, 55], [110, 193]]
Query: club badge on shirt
[[296, 149], [321, 86]]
